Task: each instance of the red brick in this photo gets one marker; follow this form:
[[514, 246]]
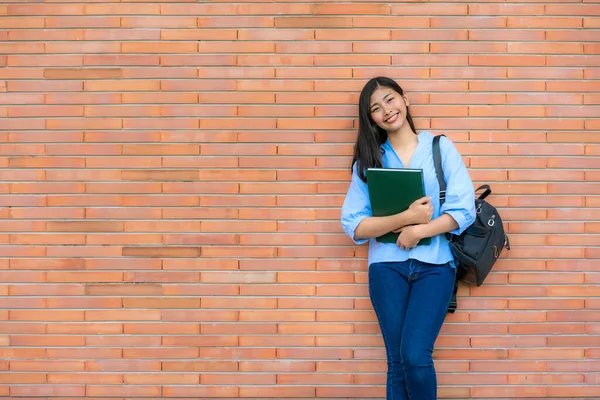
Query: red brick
[[44, 9], [22, 48], [582, 391], [62, 390], [146, 303], [47, 315], [161, 328], [511, 392], [572, 9], [320, 379], [545, 354], [505, 9], [161, 352], [166, 73], [196, 34], [121, 9], [166, 379], [201, 391], [544, 22], [158, 47], [50, 86], [546, 329], [122, 315], [122, 365], [159, 175], [355, 366], [122, 85], [22, 378], [85, 378], [281, 391], [85, 303], [22, 22], [137, 391], [47, 365], [158, 22], [203, 340], [83, 73], [121, 60], [121, 34], [19, 73]]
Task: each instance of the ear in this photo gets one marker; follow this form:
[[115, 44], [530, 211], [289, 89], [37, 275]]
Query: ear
[[406, 101]]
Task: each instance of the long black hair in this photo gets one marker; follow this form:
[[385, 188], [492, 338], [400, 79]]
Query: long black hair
[[367, 151]]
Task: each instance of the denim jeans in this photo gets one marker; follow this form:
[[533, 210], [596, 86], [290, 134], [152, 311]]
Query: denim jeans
[[411, 300]]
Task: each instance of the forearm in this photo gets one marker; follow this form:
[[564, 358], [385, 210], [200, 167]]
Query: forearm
[[444, 223], [372, 227]]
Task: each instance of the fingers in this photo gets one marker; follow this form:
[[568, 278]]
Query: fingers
[[422, 200], [405, 247]]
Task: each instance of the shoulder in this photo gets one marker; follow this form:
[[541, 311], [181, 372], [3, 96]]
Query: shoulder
[[446, 143], [447, 148], [427, 138]]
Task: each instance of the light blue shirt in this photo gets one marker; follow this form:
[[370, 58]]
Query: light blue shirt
[[459, 204]]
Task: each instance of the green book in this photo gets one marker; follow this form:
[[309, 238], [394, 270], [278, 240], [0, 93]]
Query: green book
[[392, 191]]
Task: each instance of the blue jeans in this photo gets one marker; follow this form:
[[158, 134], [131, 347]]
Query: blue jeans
[[411, 300]]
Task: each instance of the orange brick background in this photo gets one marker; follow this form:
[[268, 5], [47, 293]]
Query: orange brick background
[[172, 174]]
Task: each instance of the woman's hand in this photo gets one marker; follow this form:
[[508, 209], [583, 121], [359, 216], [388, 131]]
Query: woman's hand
[[422, 210], [409, 237]]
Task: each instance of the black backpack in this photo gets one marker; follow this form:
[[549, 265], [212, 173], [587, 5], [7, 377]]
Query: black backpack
[[479, 246]]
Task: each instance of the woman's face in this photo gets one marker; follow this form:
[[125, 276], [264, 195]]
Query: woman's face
[[388, 109]]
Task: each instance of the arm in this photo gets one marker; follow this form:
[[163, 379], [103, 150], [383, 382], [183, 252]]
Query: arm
[[444, 223], [376, 226], [356, 207], [411, 235], [357, 217]]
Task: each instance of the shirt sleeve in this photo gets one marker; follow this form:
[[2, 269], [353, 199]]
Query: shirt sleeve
[[356, 207], [460, 195]]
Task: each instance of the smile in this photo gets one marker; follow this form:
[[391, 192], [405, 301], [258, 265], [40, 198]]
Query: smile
[[392, 119]]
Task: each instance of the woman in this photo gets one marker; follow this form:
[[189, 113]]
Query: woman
[[410, 286]]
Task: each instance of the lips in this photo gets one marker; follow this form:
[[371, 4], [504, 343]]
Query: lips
[[392, 119]]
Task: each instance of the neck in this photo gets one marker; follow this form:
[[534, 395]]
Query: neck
[[405, 137]]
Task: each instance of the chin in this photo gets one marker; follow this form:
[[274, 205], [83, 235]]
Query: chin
[[396, 126]]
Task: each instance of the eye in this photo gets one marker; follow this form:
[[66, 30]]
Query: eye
[[373, 110], [390, 99]]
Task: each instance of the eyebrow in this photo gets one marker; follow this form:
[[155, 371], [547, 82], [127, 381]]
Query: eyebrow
[[384, 97]]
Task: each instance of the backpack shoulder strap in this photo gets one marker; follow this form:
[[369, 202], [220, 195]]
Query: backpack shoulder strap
[[437, 162], [439, 172]]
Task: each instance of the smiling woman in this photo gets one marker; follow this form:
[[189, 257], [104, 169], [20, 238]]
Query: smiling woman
[[410, 285], [380, 100]]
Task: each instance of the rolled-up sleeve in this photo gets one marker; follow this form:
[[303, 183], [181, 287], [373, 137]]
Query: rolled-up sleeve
[[356, 207], [460, 196]]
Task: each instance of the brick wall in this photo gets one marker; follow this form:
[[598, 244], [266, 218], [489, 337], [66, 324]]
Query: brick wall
[[172, 174]]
